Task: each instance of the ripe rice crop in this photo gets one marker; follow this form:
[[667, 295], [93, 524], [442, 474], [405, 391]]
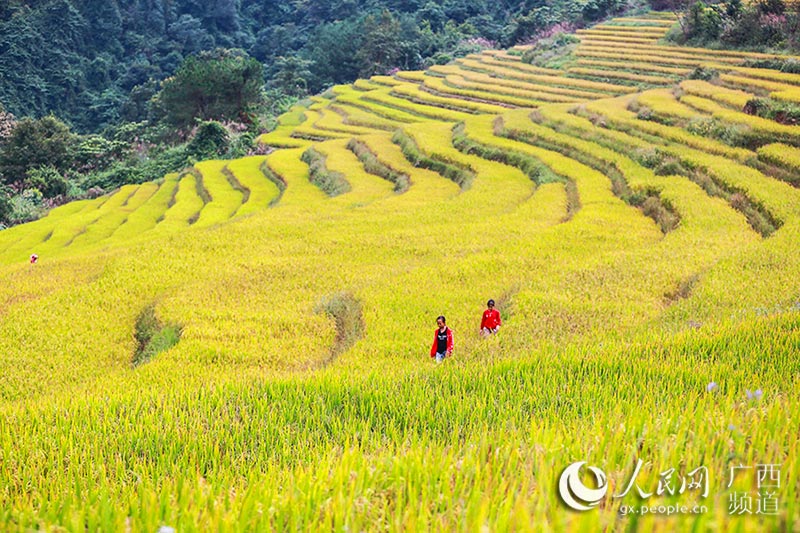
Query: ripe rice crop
[[416, 94], [662, 101], [710, 55], [599, 40], [782, 155], [657, 55], [386, 81], [428, 111], [459, 86], [615, 74], [300, 394], [646, 21], [372, 107], [361, 117], [184, 208], [558, 81], [787, 95], [731, 97], [147, 216], [628, 122], [606, 52], [485, 79], [769, 128], [768, 74], [487, 63], [639, 38], [262, 192], [647, 67], [411, 75], [622, 29], [366, 85], [109, 222], [744, 81], [330, 120]]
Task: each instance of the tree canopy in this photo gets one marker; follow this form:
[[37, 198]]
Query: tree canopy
[[219, 85], [95, 63]]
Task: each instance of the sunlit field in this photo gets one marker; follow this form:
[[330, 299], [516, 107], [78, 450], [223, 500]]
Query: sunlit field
[[245, 345]]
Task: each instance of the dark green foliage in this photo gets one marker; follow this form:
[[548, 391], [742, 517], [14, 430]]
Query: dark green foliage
[[595, 10], [6, 207], [138, 170], [552, 52], [777, 110], [95, 62], [46, 180], [759, 24], [332, 50], [35, 143], [731, 134], [382, 47], [241, 146], [290, 75], [218, 85], [210, 142], [791, 66], [704, 73]]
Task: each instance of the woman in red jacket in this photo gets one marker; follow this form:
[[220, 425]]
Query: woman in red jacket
[[490, 323], [442, 341]]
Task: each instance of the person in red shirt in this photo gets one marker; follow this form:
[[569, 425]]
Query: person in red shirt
[[442, 341], [490, 323]]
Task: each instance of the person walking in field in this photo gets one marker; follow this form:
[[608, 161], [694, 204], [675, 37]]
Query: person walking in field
[[442, 341], [491, 322]]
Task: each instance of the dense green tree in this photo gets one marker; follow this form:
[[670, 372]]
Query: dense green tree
[[291, 75], [75, 57], [35, 143], [210, 141], [46, 180], [332, 51], [223, 84], [382, 48], [6, 207]]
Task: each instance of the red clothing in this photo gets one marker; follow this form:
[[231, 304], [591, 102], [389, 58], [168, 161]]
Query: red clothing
[[449, 333], [491, 319]]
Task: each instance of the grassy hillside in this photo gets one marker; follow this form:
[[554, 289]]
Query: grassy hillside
[[637, 228]]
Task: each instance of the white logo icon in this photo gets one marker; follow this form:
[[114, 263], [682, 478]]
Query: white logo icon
[[577, 495]]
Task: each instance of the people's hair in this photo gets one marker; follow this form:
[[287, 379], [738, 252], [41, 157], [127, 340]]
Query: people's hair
[[490, 303], [441, 317]]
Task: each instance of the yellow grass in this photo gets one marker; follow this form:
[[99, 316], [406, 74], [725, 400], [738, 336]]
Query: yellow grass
[[300, 395], [615, 74]]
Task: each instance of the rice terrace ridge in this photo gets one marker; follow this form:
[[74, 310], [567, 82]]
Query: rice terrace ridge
[[243, 345]]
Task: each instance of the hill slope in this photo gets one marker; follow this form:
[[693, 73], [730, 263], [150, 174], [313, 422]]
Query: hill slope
[[638, 229]]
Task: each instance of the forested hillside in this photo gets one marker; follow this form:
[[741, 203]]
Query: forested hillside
[[94, 62]]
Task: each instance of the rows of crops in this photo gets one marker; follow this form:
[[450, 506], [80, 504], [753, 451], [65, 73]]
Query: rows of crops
[[638, 229]]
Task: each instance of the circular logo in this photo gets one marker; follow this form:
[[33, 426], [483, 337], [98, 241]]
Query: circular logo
[[577, 495]]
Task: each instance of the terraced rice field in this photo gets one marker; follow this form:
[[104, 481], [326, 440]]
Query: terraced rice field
[[637, 228]]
